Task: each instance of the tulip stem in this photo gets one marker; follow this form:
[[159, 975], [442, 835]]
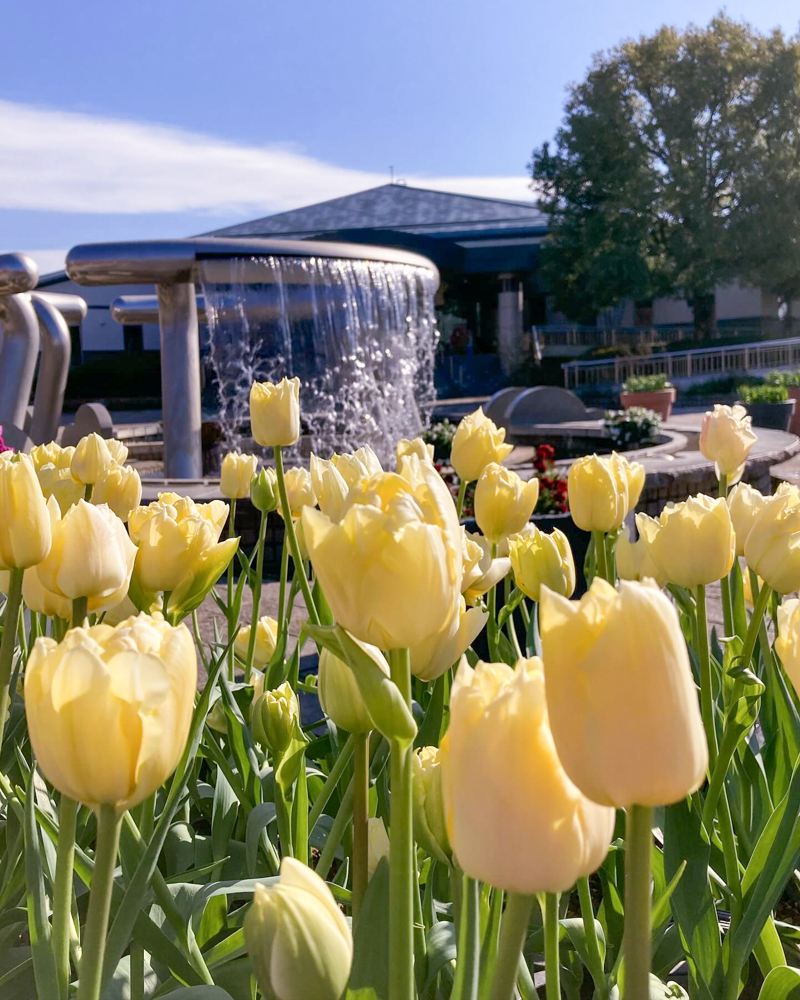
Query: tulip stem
[[462, 493], [299, 565], [80, 609], [62, 890], [7, 643], [256, 612], [760, 606], [491, 625], [401, 860], [87, 492], [468, 954], [331, 781], [600, 561], [94, 938], [552, 962], [704, 661], [231, 617], [513, 931], [636, 935], [282, 589], [596, 970], [284, 816], [360, 821]]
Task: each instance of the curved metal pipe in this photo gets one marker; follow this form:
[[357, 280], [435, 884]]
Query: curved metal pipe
[[144, 308], [20, 346], [18, 273], [72, 307], [53, 368]]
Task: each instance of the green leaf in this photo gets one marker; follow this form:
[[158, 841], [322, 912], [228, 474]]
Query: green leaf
[[200, 993], [781, 984], [191, 592], [257, 834], [431, 728], [44, 965], [223, 816], [371, 939], [441, 939]]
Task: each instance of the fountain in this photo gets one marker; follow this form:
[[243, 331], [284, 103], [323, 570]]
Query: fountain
[[355, 323]]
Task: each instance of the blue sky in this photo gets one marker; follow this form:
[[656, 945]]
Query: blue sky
[[171, 117]]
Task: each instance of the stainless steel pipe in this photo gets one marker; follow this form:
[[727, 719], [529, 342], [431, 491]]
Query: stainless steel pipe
[[53, 312], [20, 336], [144, 308]]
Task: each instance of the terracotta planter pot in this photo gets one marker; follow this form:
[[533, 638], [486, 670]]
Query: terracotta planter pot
[[660, 400]]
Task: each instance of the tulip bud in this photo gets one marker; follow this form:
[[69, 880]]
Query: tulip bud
[[478, 442], [109, 708], [298, 940], [515, 820], [772, 546], [264, 491], [745, 504], [618, 674], [120, 487], [503, 502], [539, 559], [90, 458], [695, 542], [416, 446], [603, 490], [329, 487], [377, 844], [635, 559], [481, 572], [787, 643], [299, 491], [91, 555], [276, 718], [237, 474], [430, 827], [339, 693], [25, 533], [266, 641], [726, 438], [275, 412]]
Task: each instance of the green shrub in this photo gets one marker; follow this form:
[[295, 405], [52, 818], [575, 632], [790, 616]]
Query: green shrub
[[632, 428], [646, 383], [440, 435], [762, 393], [784, 378]]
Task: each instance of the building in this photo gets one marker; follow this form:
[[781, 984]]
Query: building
[[487, 251]]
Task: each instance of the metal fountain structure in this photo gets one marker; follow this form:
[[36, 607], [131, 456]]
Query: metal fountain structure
[[176, 267], [28, 320]]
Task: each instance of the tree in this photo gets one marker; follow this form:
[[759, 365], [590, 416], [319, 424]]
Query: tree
[[647, 167]]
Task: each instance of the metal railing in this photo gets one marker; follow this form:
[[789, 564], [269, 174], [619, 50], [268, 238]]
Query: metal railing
[[588, 337], [706, 361]]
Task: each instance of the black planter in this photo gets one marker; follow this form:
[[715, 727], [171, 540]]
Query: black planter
[[775, 416]]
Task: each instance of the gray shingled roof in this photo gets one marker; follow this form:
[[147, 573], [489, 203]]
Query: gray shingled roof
[[395, 206]]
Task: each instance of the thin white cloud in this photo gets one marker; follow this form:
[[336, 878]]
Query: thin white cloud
[[67, 161]]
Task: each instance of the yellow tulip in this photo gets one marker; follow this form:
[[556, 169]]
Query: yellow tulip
[[377, 844], [120, 487], [603, 490], [745, 504], [695, 542], [415, 446], [481, 571], [504, 503], [514, 818], [634, 476], [787, 643], [540, 560], [91, 555], [266, 641], [60, 484], [772, 546], [276, 718], [109, 708], [431, 658], [25, 533], [299, 942], [45, 602], [635, 559], [173, 551], [360, 464], [275, 412], [478, 442], [236, 475], [340, 695], [726, 438], [329, 487], [391, 568], [117, 450], [430, 823], [622, 700], [215, 513], [51, 454], [91, 456], [299, 490]]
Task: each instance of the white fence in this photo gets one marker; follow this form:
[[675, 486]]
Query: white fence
[[707, 361]]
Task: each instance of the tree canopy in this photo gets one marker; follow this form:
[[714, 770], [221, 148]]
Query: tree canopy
[[675, 158]]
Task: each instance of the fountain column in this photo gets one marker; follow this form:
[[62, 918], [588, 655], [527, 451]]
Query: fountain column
[[509, 321], [180, 380]]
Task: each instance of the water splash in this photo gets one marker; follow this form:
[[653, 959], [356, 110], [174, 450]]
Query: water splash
[[361, 335]]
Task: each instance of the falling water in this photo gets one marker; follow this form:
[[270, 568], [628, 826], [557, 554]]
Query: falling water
[[361, 336]]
